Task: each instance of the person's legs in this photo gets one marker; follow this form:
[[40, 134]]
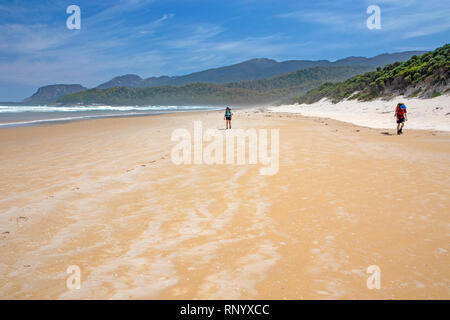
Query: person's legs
[[400, 124], [228, 123]]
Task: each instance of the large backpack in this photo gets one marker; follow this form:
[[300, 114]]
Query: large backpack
[[401, 110]]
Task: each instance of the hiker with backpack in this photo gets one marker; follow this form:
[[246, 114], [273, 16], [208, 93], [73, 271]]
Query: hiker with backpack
[[228, 115], [400, 115]]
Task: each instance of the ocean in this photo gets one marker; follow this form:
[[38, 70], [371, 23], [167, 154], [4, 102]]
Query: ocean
[[13, 116]]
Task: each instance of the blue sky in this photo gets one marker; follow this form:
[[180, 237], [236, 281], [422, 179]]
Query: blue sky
[[172, 37]]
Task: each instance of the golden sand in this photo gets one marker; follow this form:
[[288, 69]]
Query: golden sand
[[104, 195]]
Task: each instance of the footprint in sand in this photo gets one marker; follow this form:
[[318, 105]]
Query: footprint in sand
[[21, 219], [4, 235]]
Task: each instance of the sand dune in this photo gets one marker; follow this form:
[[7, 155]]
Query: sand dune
[[104, 195], [425, 114]]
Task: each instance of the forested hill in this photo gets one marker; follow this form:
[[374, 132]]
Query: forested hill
[[254, 69], [237, 93], [50, 94], [422, 76], [301, 77]]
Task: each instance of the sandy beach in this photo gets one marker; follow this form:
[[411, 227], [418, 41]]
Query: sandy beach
[[424, 114], [105, 195]]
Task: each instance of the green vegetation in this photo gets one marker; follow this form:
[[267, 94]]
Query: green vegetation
[[436, 94], [191, 94], [238, 93], [304, 76], [420, 75]]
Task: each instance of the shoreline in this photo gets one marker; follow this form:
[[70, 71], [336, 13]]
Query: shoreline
[[263, 110], [38, 122], [324, 109]]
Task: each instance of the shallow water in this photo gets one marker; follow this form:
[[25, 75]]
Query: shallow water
[[13, 116]]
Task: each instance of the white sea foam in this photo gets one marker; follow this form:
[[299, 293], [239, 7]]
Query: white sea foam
[[45, 108], [13, 116]]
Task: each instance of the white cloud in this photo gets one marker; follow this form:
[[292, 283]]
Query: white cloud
[[199, 34], [111, 43], [117, 10], [405, 19], [20, 38], [338, 21], [415, 24]]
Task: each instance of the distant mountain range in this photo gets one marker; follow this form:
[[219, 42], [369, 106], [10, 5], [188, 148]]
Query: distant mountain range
[[423, 76], [255, 69], [236, 93]]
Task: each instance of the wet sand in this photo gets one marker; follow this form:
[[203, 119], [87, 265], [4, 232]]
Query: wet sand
[[104, 195]]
